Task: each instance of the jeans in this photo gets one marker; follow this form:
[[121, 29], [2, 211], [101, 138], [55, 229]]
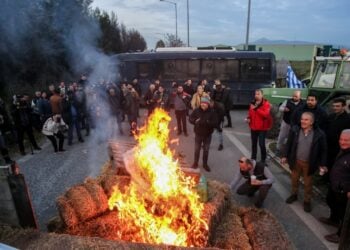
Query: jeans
[[75, 123], [255, 136], [199, 141], [247, 189]]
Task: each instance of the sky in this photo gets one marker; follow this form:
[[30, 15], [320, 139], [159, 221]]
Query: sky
[[214, 22]]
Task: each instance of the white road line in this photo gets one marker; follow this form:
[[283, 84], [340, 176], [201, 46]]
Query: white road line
[[312, 223]]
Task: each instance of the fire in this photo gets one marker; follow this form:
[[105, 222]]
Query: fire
[[160, 204]]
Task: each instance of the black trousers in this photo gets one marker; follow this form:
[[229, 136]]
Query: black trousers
[[181, 120], [20, 135], [255, 136], [53, 140], [199, 141], [247, 189]]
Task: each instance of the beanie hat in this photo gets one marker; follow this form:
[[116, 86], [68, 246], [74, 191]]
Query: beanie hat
[[205, 99]]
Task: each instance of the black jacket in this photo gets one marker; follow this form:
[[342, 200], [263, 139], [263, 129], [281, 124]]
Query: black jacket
[[340, 173], [318, 152], [208, 120], [292, 107], [319, 113]]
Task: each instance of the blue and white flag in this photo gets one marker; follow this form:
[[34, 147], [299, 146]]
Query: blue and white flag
[[292, 80]]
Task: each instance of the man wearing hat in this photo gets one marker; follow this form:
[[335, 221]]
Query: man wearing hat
[[204, 120]]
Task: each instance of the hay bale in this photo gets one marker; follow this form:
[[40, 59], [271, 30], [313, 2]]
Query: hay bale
[[115, 180], [97, 194], [263, 230], [55, 225], [82, 203], [66, 212], [230, 234]]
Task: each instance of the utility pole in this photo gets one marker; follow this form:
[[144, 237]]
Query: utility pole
[[248, 23], [188, 25]]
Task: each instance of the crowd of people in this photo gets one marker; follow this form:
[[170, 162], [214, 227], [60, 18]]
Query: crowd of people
[[310, 140]]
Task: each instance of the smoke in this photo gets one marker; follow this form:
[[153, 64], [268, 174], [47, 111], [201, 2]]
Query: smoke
[[63, 32]]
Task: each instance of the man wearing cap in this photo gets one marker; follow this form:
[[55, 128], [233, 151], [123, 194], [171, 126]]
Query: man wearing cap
[[204, 120], [258, 177]]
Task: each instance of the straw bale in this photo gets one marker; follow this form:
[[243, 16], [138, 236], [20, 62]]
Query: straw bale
[[115, 180], [263, 230], [230, 234], [116, 150], [106, 170], [66, 212], [82, 202], [55, 224], [98, 195]]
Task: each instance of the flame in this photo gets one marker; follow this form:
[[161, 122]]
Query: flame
[[160, 204]]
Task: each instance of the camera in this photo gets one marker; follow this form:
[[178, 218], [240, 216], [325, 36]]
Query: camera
[[58, 119]]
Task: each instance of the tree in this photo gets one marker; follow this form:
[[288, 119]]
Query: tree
[[171, 41], [160, 44]]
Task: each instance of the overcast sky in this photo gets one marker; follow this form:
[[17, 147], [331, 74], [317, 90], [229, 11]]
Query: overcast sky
[[215, 22]]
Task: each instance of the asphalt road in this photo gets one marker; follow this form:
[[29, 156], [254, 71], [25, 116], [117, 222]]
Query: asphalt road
[[48, 175]]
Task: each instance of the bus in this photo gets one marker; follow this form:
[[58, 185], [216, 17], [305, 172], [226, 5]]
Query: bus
[[240, 71]]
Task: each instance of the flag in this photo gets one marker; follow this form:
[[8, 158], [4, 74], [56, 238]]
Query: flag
[[292, 80]]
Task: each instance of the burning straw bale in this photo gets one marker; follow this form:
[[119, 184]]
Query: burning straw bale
[[263, 230], [108, 183], [116, 151], [97, 194], [66, 212]]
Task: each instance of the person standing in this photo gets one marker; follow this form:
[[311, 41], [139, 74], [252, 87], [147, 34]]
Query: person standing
[[287, 108], [188, 87], [204, 120], [340, 182], [131, 107], [5, 125], [161, 98], [258, 178], [260, 121], [116, 101], [148, 98], [196, 98], [56, 102], [306, 152], [181, 102], [222, 95]]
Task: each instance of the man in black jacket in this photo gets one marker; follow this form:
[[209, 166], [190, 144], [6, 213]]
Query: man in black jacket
[[306, 151], [5, 124], [222, 95], [340, 182], [204, 120]]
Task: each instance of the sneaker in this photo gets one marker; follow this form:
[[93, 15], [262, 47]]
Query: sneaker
[[307, 207], [206, 167], [220, 147], [291, 199], [194, 165], [332, 238], [328, 221]]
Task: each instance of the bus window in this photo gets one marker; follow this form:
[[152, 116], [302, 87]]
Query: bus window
[[144, 70], [345, 76], [325, 76], [253, 70], [168, 71], [207, 69], [226, 70]]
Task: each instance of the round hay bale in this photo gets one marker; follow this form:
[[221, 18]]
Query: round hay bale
[[82, 202], [97, 194], [66, 212], [110, 181]]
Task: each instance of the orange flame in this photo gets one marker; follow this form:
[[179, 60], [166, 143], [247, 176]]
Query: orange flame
[[160, 204]]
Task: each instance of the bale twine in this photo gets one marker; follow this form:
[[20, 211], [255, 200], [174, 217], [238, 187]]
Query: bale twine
[[82, 202], [97, 194], [66, 212]]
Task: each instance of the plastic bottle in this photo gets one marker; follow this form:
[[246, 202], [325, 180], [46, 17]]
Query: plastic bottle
[[202, 189]]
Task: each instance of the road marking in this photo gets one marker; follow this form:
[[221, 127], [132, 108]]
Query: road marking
[[311, 222]]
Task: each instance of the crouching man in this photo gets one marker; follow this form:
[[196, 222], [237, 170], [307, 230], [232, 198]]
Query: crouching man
[[257, 177]]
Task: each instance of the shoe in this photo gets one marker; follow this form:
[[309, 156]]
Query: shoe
[[307, 207], [206, 167], [228, 126], [328, 221], [186, 134], [291, 199], [220, 147], [37, 148], [81, 140], [332, 238], [194, 165]]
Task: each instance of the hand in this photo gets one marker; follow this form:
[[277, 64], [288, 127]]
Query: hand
[[255, 182], [348, 195], [286, 109], [252, 106], [247, 120], [283, 160], [197, 120]]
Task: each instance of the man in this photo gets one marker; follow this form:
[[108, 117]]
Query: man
[[204, 120], [335, 124], [181, 102], [306, 151], [312, 106], [56, 102], [116, 101], [340, 182], [131, 108], [287, 108], [260, 121], [222, 95], [161, 98], [5, 125], [188, 87], [250, 169]]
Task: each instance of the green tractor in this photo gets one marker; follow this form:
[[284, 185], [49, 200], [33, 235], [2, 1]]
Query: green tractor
[[331, 79]]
